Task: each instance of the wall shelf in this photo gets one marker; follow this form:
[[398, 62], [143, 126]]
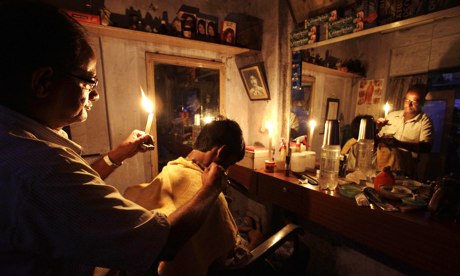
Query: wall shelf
[[224, 50], [398, 25], [329, 71]]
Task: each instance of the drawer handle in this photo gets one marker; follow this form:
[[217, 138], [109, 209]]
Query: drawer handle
[[284, 190]]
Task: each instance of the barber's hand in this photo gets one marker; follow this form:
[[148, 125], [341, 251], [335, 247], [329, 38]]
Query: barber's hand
[[389, 141], [381, 122], [130, 146], [212, 177]]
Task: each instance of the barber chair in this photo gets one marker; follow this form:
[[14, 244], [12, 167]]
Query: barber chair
[[261, 261]]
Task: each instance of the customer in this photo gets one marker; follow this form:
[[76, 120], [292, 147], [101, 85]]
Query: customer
[[405, 134], [218, 239], [57, 216]]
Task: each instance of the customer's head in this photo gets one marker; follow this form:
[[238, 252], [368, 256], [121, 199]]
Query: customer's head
[[226, 137], [414, 99], [47, 64]]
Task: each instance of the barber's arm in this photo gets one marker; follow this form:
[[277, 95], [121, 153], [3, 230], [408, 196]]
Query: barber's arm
[[186, 220], [418, 147], [127, 149]]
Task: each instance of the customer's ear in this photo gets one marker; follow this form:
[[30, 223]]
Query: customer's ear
[[223, 152], [41, 81]]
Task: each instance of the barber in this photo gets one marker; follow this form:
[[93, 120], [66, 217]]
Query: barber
[[405, 134], [57, 215]]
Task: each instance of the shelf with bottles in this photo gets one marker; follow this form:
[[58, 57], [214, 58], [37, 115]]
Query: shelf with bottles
[[224, 50], [391, 27], [329, 71]]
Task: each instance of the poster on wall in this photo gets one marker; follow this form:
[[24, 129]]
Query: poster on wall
[[370, 98]]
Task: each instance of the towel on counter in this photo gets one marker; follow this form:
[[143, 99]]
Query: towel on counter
[[217, 238]]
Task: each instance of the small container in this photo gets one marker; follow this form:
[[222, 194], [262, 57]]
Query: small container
[[270, 166], [298, 160], [385, 177]]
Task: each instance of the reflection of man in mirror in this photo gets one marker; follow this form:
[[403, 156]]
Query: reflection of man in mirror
[[256, 89]]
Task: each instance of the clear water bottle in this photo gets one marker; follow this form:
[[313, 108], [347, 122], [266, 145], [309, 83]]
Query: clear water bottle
[[366, 146], [364, 158], [330, 156], [329, 167]]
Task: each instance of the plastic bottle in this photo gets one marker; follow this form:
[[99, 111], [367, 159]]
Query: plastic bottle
[[281, 158], [364, 158], [366, 146], [330, 156], [329, 167]]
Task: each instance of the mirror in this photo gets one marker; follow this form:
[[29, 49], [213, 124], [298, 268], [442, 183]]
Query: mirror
[[187, 93], [301, 107]]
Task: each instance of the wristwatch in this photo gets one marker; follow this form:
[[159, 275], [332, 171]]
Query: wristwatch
[[110, 163]]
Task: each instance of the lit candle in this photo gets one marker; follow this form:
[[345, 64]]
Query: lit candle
[[386, 108], [148, 106], [312, 124], [269, 127]]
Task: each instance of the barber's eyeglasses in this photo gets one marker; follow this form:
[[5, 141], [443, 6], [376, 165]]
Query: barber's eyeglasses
[[415, 102], [85, 83]]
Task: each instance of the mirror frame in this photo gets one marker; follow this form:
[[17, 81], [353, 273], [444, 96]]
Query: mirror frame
[[153, 58], [311, 81]]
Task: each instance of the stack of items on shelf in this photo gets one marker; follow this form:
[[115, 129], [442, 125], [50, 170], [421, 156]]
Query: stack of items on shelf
[[314, 30], [362, 15], [296, 74], [190, 23]]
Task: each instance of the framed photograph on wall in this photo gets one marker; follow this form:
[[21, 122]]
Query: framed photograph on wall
[[255, 82], [332, 109]]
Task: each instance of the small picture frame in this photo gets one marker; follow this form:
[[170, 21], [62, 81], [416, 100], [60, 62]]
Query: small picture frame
[[332, 109], [255, 82]]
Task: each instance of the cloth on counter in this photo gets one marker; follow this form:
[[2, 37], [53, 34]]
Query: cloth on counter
[[217, 238]]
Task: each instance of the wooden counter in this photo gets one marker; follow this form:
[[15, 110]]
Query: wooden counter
[[424, 243]]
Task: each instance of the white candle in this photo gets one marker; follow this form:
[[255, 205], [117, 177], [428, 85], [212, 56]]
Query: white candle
[[269, 127], [149, 123], [312, 124], [148, 106], [386, 108]]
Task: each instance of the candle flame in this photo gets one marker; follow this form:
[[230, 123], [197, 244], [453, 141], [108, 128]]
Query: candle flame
[[146, 102], [208, 119], [386, 108], [312, 124], [269, 127]]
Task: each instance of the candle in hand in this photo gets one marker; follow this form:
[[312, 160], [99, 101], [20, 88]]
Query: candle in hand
[[386, 108], [148, 106], [312, 124]]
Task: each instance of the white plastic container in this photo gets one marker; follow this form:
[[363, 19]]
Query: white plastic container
[[298, 160], [310, 161]]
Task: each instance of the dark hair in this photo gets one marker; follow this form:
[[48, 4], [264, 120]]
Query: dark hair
[[35, 35], [219, 133], [421, 89]]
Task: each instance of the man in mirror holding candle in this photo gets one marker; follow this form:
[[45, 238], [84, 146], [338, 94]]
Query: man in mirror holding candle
[[58, 216], [405, 134]]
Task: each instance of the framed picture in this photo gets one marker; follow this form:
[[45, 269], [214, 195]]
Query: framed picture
[[332, 109], [255, 83]]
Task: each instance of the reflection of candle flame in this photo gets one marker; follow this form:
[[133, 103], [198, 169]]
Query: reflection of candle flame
[[148, 106], [386, 108]]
